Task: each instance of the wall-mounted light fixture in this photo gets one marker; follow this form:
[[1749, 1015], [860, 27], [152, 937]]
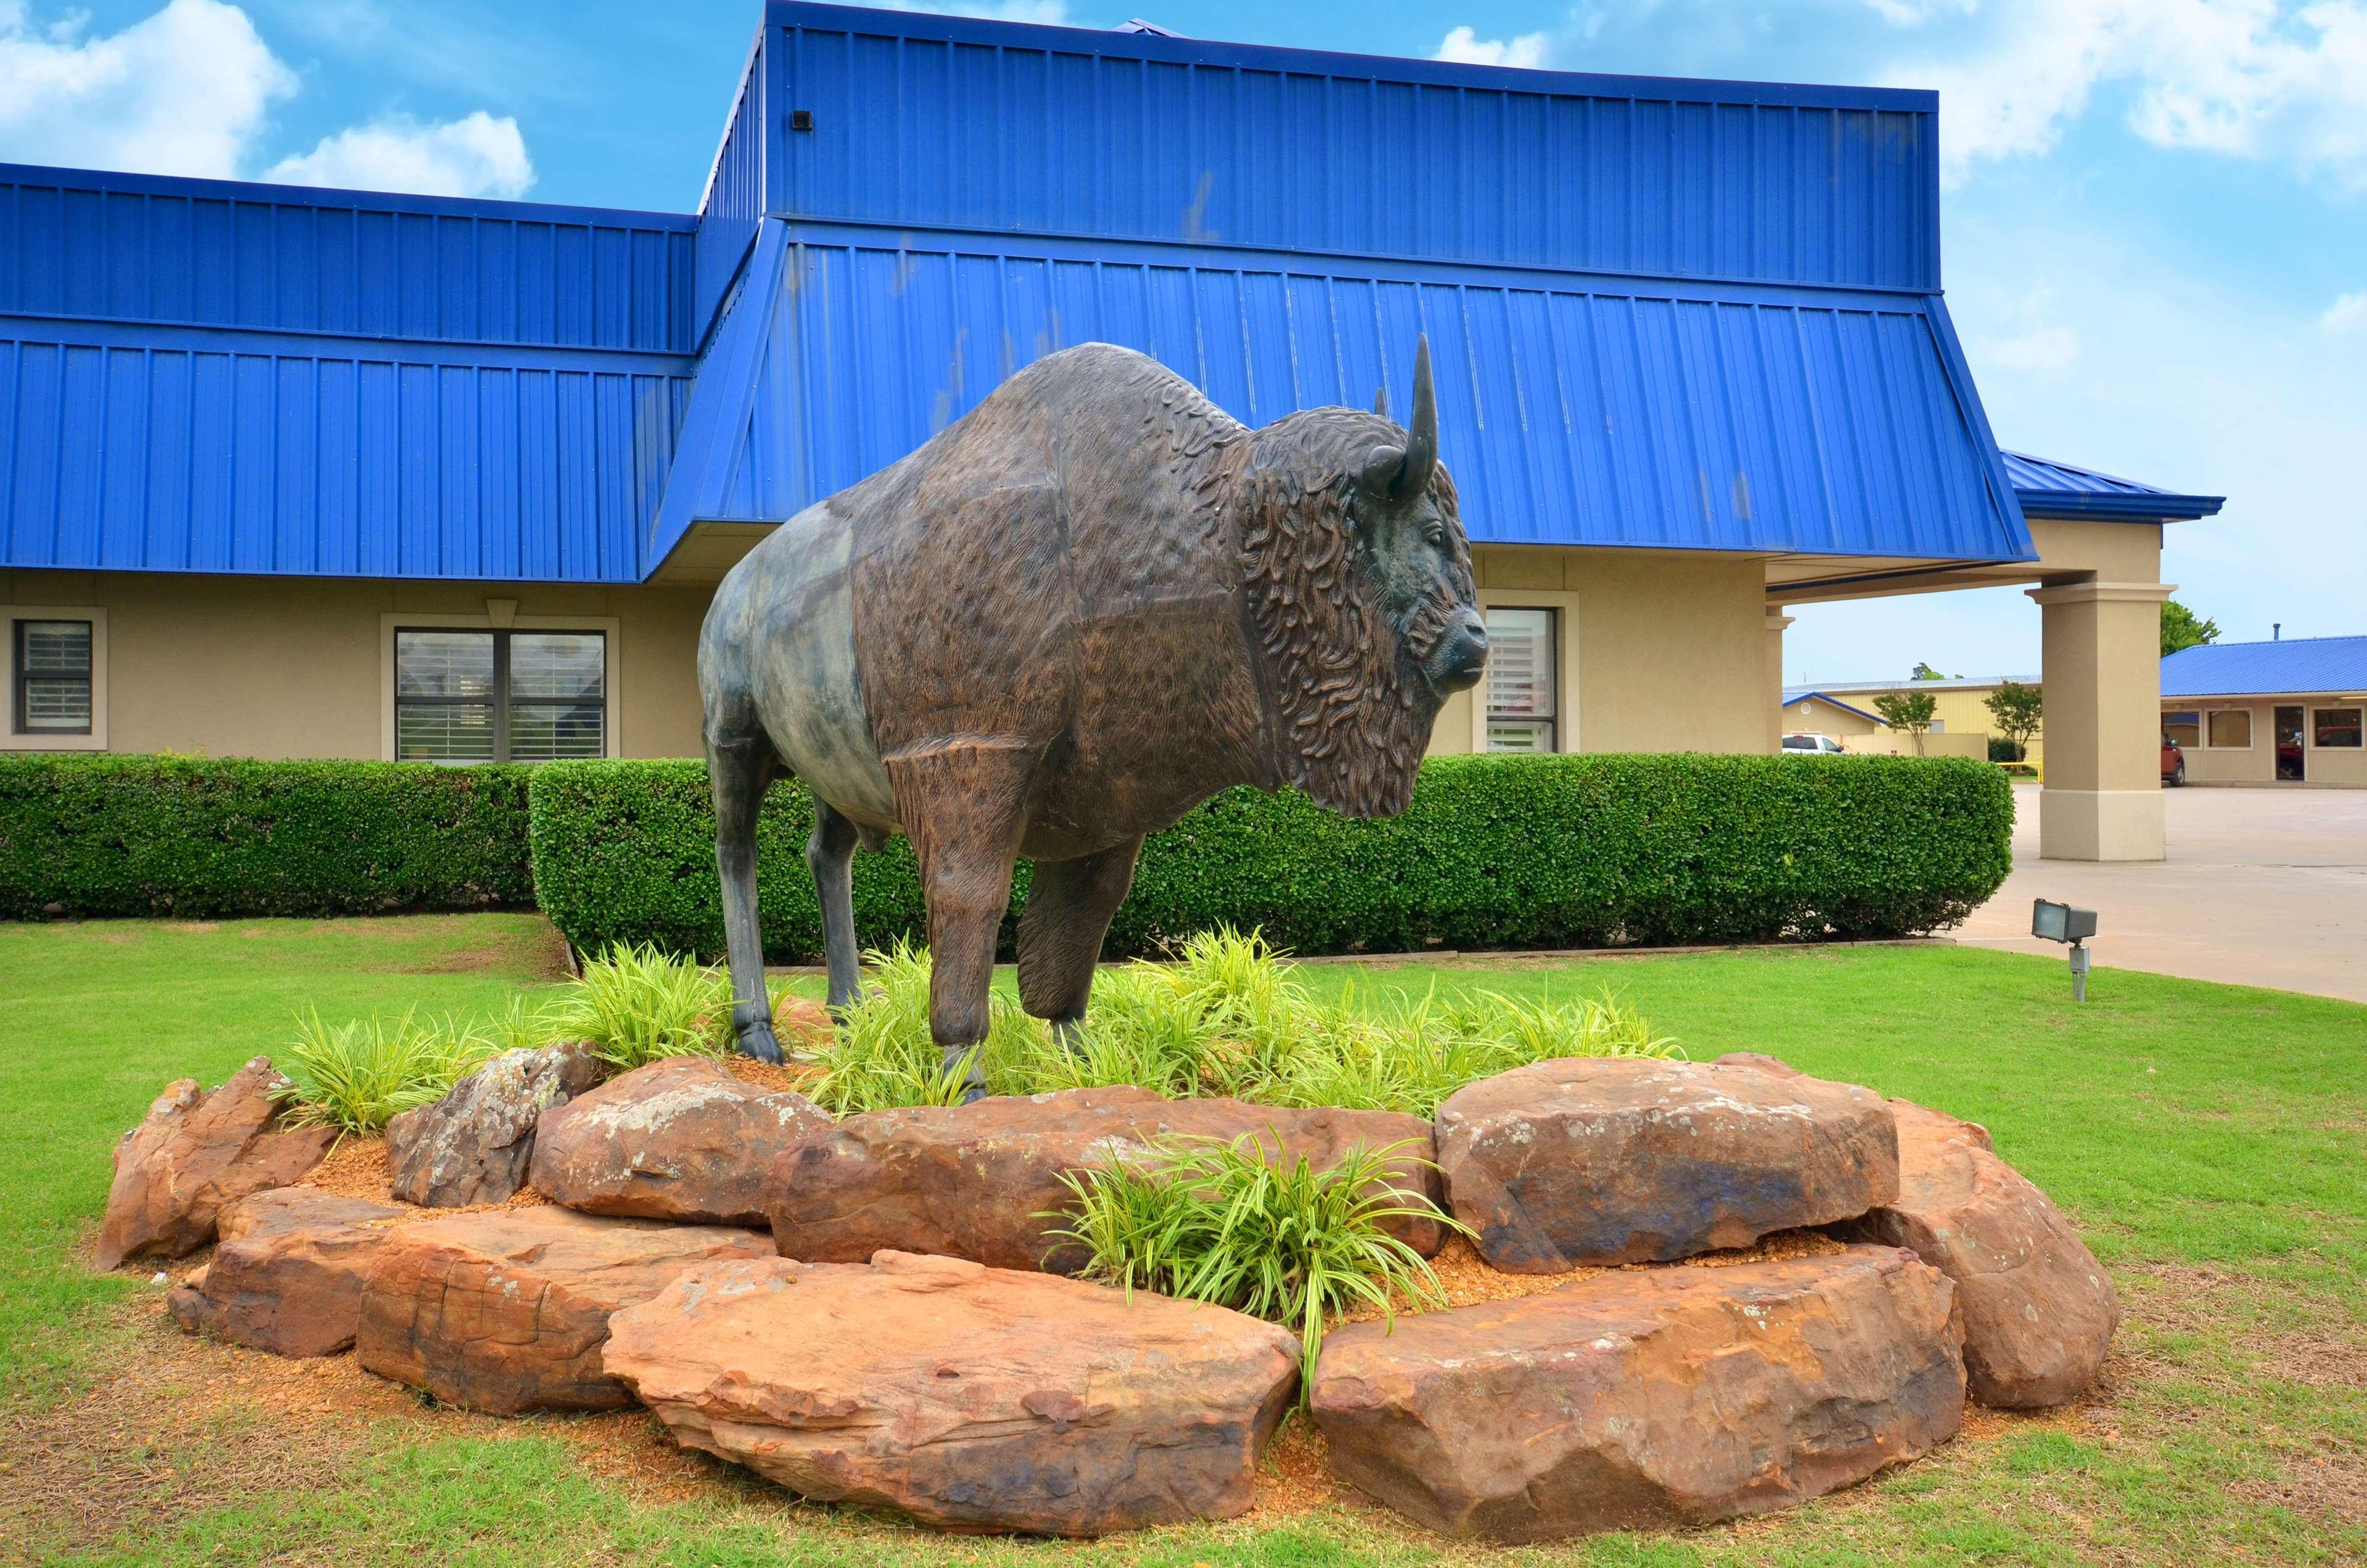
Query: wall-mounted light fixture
[[2066, 923]]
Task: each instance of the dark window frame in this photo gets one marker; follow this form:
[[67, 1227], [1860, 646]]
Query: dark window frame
[[499, 697], [20, 697], [1552, 721], [2318, 727]]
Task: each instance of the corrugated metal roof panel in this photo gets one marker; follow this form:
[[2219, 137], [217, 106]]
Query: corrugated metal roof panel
[[2335, 664], [2046, 485], [1572, 411], [734, 198], [180, 449], [93, 246], [955, 122]]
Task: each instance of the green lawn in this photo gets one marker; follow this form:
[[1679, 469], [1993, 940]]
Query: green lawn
[[2207, 1139]]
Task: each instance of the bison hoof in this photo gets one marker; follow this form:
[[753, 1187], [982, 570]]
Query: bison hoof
[[757, 1040]]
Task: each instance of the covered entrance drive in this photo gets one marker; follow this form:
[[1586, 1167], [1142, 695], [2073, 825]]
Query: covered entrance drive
[[2097, 579]]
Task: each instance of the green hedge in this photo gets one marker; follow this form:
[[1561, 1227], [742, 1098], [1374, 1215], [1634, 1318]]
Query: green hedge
[[113, 836], [1496, 852]]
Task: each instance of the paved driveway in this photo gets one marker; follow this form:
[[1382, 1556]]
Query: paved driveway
[[2263, 887]]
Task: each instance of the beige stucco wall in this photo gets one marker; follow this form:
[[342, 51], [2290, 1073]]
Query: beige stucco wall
[[295, 667], [2344, 767], [1661, 647], [1659, 652]]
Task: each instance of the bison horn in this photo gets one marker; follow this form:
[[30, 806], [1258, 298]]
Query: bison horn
[[1381, 399], [1397, 473]]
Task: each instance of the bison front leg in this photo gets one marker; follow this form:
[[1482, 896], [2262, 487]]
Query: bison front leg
[[965, 808], [1069, 905]]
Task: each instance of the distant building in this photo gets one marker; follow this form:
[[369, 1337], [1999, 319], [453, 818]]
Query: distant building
[[1961, 721], [2269, 712]]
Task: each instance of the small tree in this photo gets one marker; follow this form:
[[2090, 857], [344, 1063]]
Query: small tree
[[2181, 628], [1925, 672], [1909, 710], [2016, 709]]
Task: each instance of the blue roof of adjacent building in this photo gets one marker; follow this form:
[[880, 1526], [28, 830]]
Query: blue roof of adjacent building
[[1699, 315], [2294, 666], [2048, 488], [1800, 693]]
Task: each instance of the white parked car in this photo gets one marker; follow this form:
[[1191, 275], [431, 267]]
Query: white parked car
[[1808, 743]]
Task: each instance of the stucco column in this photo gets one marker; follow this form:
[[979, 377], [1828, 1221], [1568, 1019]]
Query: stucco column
[[2102, 673], [1776, 621]]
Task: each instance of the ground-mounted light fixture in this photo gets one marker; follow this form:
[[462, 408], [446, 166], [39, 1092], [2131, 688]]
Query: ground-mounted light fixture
[[2066, 923]]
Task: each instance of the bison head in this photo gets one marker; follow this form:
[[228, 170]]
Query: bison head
[[1360, 592]]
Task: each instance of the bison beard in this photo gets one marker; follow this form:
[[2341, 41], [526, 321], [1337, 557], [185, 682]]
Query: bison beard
[[1350, 712]]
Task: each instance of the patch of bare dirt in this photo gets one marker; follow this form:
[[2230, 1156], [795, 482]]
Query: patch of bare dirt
[[538, 953], [772, 1077], [359, 1168], [2330, 1483]]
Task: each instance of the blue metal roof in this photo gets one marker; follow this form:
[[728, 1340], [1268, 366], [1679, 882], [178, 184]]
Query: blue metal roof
[[2295, 666], [1667, 313], [202, 376], [1572, 409], [2046, 488]]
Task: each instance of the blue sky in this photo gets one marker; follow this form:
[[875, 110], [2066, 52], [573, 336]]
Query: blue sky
[[2155, 230]]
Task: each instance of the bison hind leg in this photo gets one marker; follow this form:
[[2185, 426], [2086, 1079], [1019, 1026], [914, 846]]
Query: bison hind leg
[[1069, 906], [739, 768]]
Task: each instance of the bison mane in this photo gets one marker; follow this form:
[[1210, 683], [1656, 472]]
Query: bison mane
[[1349, 710]]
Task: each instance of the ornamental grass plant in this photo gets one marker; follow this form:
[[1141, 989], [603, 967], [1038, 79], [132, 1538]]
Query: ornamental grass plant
[[1204, 1220], [1227, 1016], [635, 1004], [358, 1075]]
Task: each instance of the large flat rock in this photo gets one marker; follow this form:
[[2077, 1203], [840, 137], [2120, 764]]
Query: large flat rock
[[982, 1181], [288, 1276], [971, 1398], [1593, 1160], [677, 1140], [196, 1152], [476, 1144], [507, 1310], [2039, 1311], [1643, 1399]]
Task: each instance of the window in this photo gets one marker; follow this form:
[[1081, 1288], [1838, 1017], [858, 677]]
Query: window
[[2335, 727], [54, 678], [2185, 728], [466, 696], [2231, 728], [1521, 696]]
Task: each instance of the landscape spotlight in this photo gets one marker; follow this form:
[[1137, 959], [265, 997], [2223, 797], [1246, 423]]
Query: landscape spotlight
[[2066, 923]]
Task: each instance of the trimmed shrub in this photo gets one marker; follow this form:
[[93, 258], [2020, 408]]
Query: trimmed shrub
[[1496, 852], [130, 835]]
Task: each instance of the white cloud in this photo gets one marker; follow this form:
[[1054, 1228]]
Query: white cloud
[[1464, 47], [189, 91], [476, 156], [2348, 313], [182, 92], [2247, 78]]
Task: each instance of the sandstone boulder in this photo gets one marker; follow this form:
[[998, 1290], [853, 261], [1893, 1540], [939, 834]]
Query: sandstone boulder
[[982, 1181], [505, 1311], [800, 1024], [1591, 1160], [476, 1144], [677, 1140], [971, 1398], [1644, 1399], [2039, 1311], [196, 1152], [288, 1276]]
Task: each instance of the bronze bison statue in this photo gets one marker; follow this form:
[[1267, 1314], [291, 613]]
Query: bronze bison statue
[[1083, 608]]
